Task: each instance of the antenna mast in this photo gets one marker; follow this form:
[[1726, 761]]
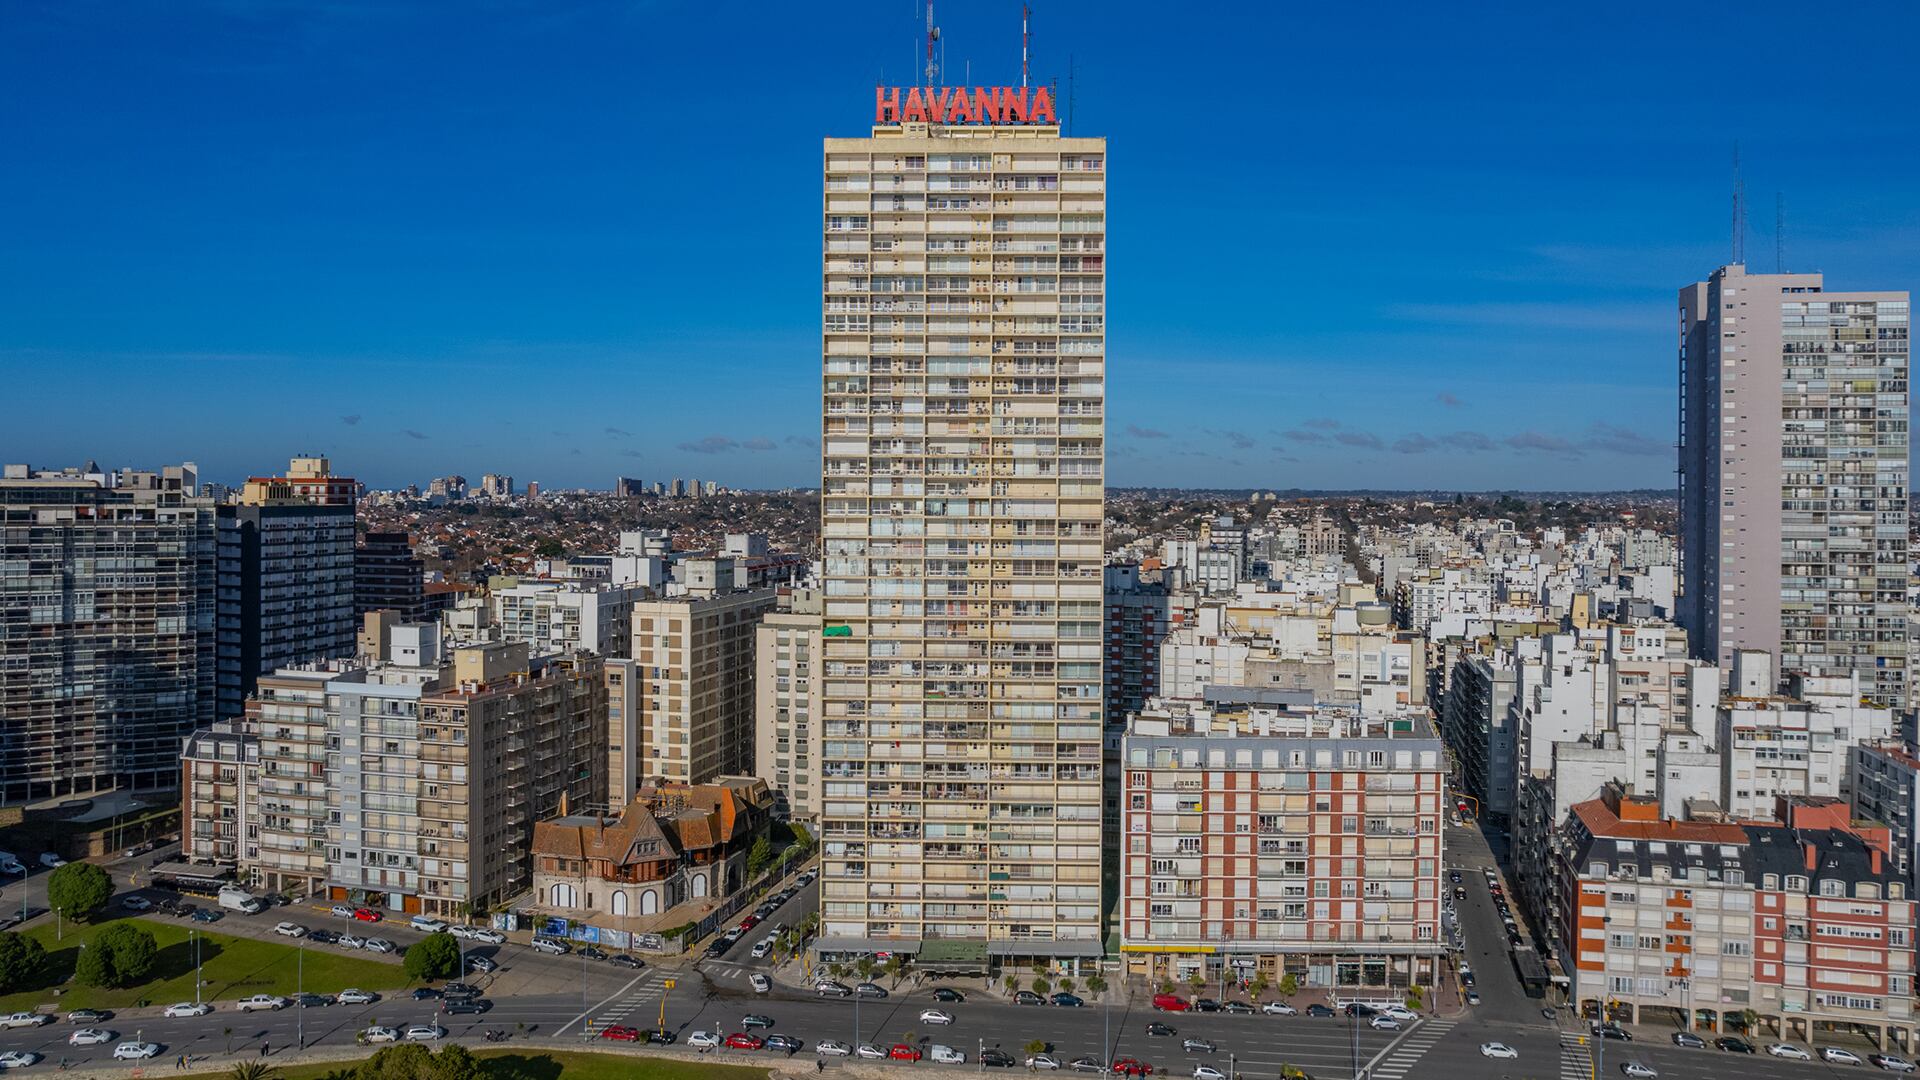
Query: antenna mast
[[1026, 42], [1739, 227], [933, 35], [1779, 232]]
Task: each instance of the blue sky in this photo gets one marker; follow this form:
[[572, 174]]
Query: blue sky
[[1386, 245]]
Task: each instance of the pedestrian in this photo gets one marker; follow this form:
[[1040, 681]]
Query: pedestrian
[[819, 1065], [263, 1048]]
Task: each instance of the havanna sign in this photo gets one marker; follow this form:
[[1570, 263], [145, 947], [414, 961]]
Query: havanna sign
[[958, 105]]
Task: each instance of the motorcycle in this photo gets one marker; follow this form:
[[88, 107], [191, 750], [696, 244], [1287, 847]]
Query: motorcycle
[[495, 1035]]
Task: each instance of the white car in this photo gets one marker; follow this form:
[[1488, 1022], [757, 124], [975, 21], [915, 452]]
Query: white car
[[464, 933], [379, 945], [1785, 1050], [262, 1001], [832, 1048], [1384, 1022], [25, 1019], [1639, 1071], [760, 983], [703, 1040], [51, 861], [1498, 1050], [1279, 1008], [137, 903], [427, 924], [1208, 1072], [425, 1032], [290, 929], [1839, 1056], [1400, 1013], [552, 947], [187, 1008], [380, 1034], [762, 947], [1043, 1061], [356, 997], [134, 1051], [18, 1059], [491, 937], [868, 1050], [935, 1016], [90, 1037]]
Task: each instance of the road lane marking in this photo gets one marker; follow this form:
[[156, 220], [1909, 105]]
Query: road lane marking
[[584, 1013]]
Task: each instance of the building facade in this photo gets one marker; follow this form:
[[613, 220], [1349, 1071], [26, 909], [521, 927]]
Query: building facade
[[1281, 841], [107, 628], [1793, 474], [962, 510], [388, 576], [286, 577], [692, 709], [787, 680]]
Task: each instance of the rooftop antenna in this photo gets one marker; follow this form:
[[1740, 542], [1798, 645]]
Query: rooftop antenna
[[1026, 42], [933, 36], [1072, 79], [1739, 210], [1779, 232]]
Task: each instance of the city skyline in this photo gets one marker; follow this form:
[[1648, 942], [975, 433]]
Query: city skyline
[[1422, 317]]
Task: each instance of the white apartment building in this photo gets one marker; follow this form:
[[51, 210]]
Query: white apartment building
[[787, 680], [1799, 743], [553, 616], [962, 509], [690, 712]]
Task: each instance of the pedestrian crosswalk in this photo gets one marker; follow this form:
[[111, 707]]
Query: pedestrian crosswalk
[[1409, 1050], [1576, 1058], [643, 997]]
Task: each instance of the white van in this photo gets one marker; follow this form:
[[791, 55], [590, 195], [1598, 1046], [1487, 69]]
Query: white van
[[946, 1055], [427, 924]]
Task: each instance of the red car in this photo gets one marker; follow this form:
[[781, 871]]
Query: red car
[[366, 914], [740, 1040], [904, 1052], [620, 1033], [1132, 1067], [749, 923], [1169, 1003]]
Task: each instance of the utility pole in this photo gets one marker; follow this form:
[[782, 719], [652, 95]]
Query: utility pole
[[300, 996]]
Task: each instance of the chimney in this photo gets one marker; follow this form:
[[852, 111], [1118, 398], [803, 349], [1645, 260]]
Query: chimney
[[1873, 860], [1813, 856]]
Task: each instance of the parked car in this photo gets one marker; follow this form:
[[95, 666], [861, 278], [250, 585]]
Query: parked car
[[784, 1044], [551, 947], [207, 915], [18, 1059], [1043, 1061], [1788, 1050], [187, 1008], [349, 941], [1891, 1063], [366, 914], [1473, 997], [997, 1059], [1279, 1008], [657, 1036], [341, 911], [135, 1051], [627, 960], [357, 997], [904, 1052], [1733, 1044], [1028, 997], [869, 1052], [829, 988], [870, 990], [427, 924], [946, 1055], [832, 1048], [25, 1019], [1071, 1001], [1689, 1040], [89, 1016], [491, 937], [703, 1040], [51, 861], [1169, 1003], [620, 1033], [1239, 1008], [312, 1001], [425, 1032], [948, 993], [261, 1001], [1207, 1072], [1127, 1066], [290, 929], [1086, 1063], [1204, 1005], [740, 1040], [136, 903], [379, 945], [1838, 1056], [590, 952]]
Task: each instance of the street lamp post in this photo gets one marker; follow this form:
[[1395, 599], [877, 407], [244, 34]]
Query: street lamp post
[[300, 998], [194, 937]]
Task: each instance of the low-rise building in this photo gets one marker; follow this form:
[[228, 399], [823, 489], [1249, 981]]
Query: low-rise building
[[1280, 839]]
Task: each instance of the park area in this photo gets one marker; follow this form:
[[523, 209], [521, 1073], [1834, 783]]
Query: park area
[[232, 968]]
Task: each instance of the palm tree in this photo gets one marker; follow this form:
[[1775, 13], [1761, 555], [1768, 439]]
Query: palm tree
[[252, 1070], [1012, 983]]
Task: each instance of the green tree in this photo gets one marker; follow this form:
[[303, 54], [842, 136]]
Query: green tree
[[436, 956], [1258, 986], [1036, 1046], [1289, 984], [79, 890], [1040, 985], [894, 966], [1012, 983], [453, 1062], [400, 1061], [252, 1070], [864, 966], [119, 955], [759, 855], [1096, 984], [21, 960], [1197, 981], [549, 549], [1066, 985]]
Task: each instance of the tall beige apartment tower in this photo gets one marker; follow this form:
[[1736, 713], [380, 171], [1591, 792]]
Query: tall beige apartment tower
[[1793, 475], [963, 346]]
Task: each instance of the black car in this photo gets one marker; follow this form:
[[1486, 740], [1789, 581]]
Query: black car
[[1238, 1008], [1319, 1010], [1204, 1005], [626, 961], [1733, 1044], [1612, 1031], [718, 949], [1361, 1011], [1689, 1040], [466, 1006], [998, 1059], [1466, 978], [658, 1036], [592, 953], [324, 937], [1071, 1001], [783, 1042], [1028, 997], [1161, 1031], [425, 993], [208, 915], [1453, 876], [754, 1020], [311, 1001], [947, 993]]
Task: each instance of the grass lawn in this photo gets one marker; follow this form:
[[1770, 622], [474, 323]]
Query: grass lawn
[[502, 1064], [232, 967]]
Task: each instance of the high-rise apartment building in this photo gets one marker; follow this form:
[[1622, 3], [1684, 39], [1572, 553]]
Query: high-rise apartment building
[[1793, 474], [963, 298], [107, 642], [689, 707], [388, 576], [786, 688], [286, 577]]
